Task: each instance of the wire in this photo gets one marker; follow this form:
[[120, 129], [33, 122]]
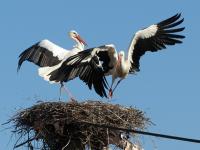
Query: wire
[[146, 133]]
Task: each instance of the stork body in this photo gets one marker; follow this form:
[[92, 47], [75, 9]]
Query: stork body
[[92, 65], [49, 56], [153, 38]]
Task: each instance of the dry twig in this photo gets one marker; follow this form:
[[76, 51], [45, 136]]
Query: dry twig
[[61, 125]]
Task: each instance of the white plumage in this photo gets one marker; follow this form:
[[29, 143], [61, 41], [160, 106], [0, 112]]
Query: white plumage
[[57, 51], [49, 56], [92, 65]]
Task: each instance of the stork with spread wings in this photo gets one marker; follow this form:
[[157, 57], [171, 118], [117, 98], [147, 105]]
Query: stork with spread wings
[[92, 65]]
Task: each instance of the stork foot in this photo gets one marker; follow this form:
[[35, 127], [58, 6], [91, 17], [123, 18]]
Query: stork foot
[[73, 100], [110, 93], [66, 90]]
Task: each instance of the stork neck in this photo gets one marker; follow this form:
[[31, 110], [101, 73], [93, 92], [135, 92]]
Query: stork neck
[[123, 65], [79, 45], [120, 62]]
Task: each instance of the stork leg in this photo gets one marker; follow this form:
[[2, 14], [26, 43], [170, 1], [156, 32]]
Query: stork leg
[[67, 91], [117, 84], [60, 91], [111, 91]]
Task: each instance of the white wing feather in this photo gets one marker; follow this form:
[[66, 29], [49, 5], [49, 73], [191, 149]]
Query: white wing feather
[[57, 51], [141, 34]]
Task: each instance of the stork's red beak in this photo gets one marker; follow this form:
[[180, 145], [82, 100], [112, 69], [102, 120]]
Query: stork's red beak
[[81, 40]]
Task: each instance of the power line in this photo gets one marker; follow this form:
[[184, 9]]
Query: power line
[[146, 133]]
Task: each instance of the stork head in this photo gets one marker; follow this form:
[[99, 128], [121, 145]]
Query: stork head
[[74, 35], [121, 55]]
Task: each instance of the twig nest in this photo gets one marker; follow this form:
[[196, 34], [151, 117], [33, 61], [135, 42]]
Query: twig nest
[[71, 126]]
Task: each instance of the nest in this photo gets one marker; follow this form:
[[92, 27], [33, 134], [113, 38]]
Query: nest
[[75, 126]]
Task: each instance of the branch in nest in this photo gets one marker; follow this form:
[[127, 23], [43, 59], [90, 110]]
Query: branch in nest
[[71, 125]]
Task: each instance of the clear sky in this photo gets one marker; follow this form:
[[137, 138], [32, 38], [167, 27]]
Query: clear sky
[[167, 88]]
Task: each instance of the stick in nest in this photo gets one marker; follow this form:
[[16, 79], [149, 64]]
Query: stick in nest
[[63, 126]]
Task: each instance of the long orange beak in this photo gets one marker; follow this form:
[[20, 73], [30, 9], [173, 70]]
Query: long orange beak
[[81, 40]]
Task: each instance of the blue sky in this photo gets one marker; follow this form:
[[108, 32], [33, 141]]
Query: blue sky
[[166, 88]]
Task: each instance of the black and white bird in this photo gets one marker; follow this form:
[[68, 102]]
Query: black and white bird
[[49, 56], [92, 65]]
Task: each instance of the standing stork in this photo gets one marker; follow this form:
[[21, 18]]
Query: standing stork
[[49, 56], [92, 65]]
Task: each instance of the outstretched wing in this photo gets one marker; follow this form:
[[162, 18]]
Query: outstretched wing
[[43, 53], [90, 66], [154, 38]]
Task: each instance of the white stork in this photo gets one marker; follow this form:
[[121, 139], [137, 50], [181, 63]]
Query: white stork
[[92, 65], [49, 56]]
